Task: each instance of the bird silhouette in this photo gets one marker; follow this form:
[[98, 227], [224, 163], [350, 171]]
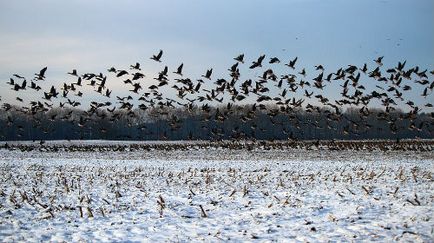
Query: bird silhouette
[[239, 58], [291, 64], [257, 63], [379, 61], [73, 73], [274, 60], [135, 66], [208, 74], [121, 73], [158, 56], [41, 74], [179, 69]]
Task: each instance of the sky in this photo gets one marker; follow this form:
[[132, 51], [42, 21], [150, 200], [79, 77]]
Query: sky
[[91, 36]]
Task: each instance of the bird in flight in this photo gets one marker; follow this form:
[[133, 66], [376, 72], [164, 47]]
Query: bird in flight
[[239, 58], [179, 69], [41, 74], [158, 56], [292, 63], [208, 74], [257, 63], [379, 61]]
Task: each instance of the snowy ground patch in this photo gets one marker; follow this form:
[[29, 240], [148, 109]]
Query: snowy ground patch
[[216, 194]]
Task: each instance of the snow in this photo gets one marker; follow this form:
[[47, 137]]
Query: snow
[[258, 195]]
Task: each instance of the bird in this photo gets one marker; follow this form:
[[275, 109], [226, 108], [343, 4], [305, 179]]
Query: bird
[[234, 68], [73, 73], [135, 66], [137, 86], [274, 60], [121, 73], [158, 56], [18, 76], [79, 80], [364, 69], [41, 74], [257, 63], [307, 94], [292, 63], [379, 61], [137, 76], [319, 67], [208, 74], [165, 71], [34, 86], [179, 69], [11, 81], [239, 58]]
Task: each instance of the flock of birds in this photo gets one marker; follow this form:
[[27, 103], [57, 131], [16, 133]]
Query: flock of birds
[[218, 98]]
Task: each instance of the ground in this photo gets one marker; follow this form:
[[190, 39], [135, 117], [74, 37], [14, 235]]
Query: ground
[[201, 193]]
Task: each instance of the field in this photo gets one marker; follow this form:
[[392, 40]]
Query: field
[[197, 191]]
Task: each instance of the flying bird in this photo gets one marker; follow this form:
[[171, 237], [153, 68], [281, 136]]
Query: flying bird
[[41, 74], [121, 73], [208, 74], [73, 73], [257, 63], [292, 63], [274, 60], [379, 61], [179, 69], [158, 56], [135, 66], [239, 58]]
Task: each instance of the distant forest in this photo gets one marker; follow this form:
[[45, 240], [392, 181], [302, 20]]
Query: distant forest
[[212, 123]]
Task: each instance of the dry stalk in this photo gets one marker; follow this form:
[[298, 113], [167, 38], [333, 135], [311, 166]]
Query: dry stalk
[[351, 191], [396, 190], [245, 191], [162, 204], [89, 212], [414, 174], [81, 211], [204, 215], [416, 199], [368, 191], [191, 191], [381, 173]]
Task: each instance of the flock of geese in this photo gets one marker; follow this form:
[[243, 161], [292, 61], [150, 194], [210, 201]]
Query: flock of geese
[[218, 98]]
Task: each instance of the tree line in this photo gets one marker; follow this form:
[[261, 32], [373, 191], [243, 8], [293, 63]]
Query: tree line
[[217, 123]]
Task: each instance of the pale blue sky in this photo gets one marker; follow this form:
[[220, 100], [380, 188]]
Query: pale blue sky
[[94, 35]]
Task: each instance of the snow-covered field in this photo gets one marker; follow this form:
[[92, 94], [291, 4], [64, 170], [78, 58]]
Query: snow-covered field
[[216, 194]]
